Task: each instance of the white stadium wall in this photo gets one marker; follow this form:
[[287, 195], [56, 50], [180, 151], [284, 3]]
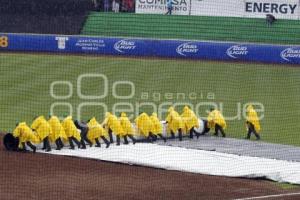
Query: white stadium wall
[[281, 9]]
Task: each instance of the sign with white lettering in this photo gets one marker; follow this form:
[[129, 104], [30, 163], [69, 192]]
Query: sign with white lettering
[[180, 7], [284, 9], [281, 9]]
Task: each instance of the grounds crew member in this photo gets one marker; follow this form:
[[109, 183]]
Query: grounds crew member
[[25, 135], [58, 133], [96, 131], [175, 123], [216, 120], [252, 123], [43, 130], [113, 125], [127, 128], [109, 130], [82, 126], [190, 121], [71, 132], [157, 127], [145, 126]]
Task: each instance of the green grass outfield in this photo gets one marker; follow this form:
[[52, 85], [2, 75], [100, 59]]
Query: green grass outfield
[[192, 28], [25, 81]]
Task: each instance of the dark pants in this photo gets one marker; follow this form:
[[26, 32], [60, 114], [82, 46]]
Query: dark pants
[[172, 135], [118, 140], [131, 137], [169, 11], [85, 139], [162, 137], [192, 131], [71, 139], [46, 144], [251, 129], [180, 134], [106, 141], [111, 139], [30, 145], [59, 144], [98, 144], [218, 129]]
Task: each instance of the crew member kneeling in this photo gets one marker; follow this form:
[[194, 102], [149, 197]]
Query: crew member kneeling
[[25, 136], [43, 130]]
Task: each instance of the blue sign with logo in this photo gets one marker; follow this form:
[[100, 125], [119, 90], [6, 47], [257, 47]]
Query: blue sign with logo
[[283, 54]]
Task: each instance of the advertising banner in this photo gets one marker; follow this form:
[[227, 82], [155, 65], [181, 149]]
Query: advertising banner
[[151, 48], [281, 9]]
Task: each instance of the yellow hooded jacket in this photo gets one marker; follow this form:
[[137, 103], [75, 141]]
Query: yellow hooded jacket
[[189, 118], [41, 127], [25, 134], [95, 130], [57, 130], [215, 117], [157, 127], [125, 123], [253, 118], [174, 120], [112, 122], [70, 128], [144, 124]]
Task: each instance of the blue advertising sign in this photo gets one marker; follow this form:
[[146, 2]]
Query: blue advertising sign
[[283, 54]]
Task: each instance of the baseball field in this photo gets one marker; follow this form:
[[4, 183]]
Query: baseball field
[[86, 86], [39, 84]]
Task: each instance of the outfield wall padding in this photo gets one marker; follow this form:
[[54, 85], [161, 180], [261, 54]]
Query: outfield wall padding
[[221, 51]]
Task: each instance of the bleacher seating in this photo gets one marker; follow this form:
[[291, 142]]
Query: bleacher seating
[[43, 16]]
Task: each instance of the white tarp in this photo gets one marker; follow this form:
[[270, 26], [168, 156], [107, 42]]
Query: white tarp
[[191, 160]]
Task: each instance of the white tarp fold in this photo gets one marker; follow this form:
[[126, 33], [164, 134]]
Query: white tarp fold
[[191, 160]]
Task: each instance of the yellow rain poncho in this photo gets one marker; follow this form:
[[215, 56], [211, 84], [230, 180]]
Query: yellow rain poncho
[[41, 127], [70, 128], [95, 130], [189, 118], [215, 117], [253, 118], [112, 122], [25, 134], [157, 127], [57, 130], [125, 123], [174, 120], [144, 124]]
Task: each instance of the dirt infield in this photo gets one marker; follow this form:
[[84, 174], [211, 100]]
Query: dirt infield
[[40, 176]]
